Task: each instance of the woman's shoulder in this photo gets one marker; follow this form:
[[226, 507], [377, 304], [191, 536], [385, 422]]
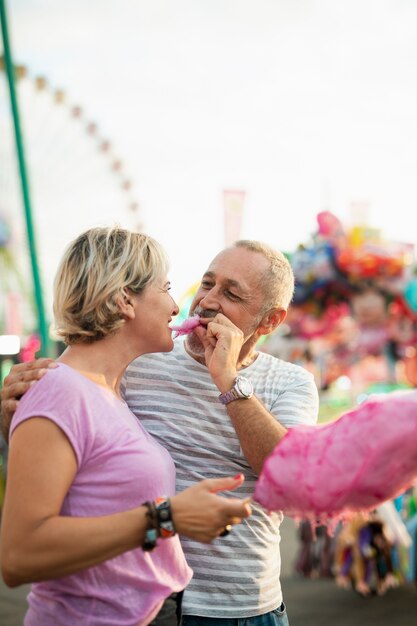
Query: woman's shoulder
[[57, 388], [57, 373], [59, 397]]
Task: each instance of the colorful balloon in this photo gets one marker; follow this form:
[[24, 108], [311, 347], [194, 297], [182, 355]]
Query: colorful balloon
[[4, 232], [410, 294], [328, 224]]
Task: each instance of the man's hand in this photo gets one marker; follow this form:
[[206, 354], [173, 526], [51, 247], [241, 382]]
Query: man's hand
[[222, 342], [19, 380]]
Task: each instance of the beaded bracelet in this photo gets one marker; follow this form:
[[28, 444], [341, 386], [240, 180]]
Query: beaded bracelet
[[160, 522], [151, 533], [164, 517]]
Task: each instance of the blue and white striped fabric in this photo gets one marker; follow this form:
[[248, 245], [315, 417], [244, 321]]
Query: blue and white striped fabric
[[177, 402]]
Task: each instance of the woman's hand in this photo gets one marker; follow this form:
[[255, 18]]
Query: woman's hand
[[202, 515], [19, 380]]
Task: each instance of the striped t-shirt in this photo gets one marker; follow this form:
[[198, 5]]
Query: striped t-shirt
[[176, 400]]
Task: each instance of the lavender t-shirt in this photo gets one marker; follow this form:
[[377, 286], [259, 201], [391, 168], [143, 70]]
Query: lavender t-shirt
[[119, 466]]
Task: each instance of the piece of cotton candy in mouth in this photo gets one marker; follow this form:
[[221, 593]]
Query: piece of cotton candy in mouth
[[187, 326]]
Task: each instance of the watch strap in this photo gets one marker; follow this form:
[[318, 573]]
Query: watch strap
[[235, 393], [227, 397]]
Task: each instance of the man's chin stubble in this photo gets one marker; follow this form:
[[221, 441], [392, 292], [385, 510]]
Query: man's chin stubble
[[195, 348]]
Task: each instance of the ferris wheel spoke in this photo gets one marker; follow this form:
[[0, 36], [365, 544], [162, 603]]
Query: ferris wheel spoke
[[77, 178]]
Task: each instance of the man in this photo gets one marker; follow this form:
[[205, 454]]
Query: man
[[197, 401]]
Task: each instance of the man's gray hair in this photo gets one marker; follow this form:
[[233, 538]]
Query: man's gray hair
[[278, 280]]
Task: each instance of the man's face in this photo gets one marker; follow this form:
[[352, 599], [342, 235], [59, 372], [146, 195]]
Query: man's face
[[231, 286]]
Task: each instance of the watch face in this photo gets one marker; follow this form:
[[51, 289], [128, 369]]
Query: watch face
[[245, 386]]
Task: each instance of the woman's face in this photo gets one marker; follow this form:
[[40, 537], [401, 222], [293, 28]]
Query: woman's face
[[154, 310]]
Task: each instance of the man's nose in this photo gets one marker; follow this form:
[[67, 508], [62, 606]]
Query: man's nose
[[210, 300]]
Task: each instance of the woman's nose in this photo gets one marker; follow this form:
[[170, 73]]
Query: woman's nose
[[176, 307]]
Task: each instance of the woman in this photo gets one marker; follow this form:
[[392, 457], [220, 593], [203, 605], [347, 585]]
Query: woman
[[90, 514]]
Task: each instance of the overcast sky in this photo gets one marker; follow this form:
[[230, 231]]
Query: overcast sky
[[303, 104]]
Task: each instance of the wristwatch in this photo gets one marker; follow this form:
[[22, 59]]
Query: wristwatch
[[242, 389]]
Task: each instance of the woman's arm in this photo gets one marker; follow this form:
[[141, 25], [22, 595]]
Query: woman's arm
[[37, 543]]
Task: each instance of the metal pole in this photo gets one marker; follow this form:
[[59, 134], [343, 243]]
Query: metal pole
[[42, 323]]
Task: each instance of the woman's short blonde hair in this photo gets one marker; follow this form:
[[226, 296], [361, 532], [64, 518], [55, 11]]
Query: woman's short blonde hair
[[96, 267]]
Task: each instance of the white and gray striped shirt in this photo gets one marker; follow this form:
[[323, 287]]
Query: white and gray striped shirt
[[177, 402]]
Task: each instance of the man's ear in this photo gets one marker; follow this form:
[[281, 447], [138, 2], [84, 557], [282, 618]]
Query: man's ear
[[271, 320]]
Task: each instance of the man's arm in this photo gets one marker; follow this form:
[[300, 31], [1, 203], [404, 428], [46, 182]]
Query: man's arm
[[258, 429], [19, 380]]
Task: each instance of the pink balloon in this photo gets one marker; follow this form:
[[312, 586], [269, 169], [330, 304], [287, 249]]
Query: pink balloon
[[329, 225], [330, 471]]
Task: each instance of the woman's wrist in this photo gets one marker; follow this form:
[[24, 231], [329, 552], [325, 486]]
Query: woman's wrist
[[159, 522]]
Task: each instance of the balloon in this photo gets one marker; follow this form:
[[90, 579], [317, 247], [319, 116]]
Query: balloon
[[330, 471], [4, 233], [410, 294], [329, 225]]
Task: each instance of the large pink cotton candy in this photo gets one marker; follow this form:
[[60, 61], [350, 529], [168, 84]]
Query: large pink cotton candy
[[187, 326], [353, 464]]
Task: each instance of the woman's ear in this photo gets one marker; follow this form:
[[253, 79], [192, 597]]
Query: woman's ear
[[271, 320], [125, 304]]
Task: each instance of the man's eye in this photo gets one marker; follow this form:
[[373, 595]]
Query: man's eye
[[206, 285], [231, 295]]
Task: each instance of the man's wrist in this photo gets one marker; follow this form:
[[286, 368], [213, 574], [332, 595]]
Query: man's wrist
[[242, 389], [225, 383]]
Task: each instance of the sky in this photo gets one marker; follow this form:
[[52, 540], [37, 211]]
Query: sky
[[304, 105]]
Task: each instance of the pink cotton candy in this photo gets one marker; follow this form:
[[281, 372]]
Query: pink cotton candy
[[187, 326], [328, 472]]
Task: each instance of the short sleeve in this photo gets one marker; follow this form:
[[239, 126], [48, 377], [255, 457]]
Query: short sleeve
[[298, 403], [57, 397]]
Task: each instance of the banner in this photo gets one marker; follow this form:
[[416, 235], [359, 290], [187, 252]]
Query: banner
[[233, 203], [13, 314]]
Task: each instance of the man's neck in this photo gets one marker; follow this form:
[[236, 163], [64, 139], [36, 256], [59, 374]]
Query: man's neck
[[248, 360]]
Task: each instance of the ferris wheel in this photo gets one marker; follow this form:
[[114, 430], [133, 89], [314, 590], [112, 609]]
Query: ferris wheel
[[77, 179]]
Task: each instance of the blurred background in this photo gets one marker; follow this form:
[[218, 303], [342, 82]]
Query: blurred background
[[204, 121]]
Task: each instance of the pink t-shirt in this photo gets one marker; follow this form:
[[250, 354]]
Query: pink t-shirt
[[119, 467]]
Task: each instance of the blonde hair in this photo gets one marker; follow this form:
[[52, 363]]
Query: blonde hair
[[277, 282], [94, 270]]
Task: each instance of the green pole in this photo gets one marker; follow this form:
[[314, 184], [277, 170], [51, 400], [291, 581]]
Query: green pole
[[42, 324]]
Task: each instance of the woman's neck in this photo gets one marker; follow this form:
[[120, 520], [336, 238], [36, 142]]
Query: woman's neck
[[104, 361]]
